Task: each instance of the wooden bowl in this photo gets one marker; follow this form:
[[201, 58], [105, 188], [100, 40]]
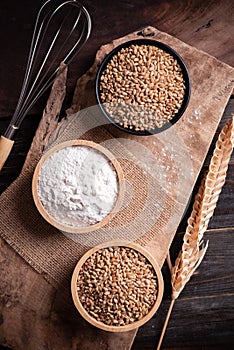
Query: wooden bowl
[[78, 229], [86, 315]]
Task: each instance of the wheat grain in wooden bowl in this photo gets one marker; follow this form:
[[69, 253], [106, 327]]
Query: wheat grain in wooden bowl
[[78, 186], [117, 286]]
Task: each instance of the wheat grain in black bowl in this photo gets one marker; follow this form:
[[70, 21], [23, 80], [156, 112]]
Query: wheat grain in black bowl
[[143, 87]]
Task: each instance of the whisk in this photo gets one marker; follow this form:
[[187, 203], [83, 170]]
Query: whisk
[[61, 30]]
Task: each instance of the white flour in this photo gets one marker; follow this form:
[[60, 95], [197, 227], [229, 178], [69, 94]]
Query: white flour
[[78, 186]]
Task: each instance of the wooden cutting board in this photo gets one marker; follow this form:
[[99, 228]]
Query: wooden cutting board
[[212, 83], [175, 157]]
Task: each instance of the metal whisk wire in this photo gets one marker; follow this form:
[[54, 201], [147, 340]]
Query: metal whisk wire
[[34, 86]]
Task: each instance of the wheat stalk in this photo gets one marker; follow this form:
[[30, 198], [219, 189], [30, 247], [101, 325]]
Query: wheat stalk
[[193, 250]]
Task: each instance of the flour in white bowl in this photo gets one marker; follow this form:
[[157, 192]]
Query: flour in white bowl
[[78, 186]]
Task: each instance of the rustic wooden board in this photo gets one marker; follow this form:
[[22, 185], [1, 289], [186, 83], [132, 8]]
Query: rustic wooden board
[[91, 340], [212, 84]]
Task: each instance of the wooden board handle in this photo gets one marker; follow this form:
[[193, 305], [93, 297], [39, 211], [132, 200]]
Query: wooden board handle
[[5, 149]]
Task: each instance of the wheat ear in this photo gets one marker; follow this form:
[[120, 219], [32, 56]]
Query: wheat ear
[[193, 251]]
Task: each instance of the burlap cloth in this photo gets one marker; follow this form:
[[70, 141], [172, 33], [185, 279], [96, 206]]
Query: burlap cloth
[[160, 170]]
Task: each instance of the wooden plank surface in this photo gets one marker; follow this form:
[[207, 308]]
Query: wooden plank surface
[[209, 322], [203, 317]]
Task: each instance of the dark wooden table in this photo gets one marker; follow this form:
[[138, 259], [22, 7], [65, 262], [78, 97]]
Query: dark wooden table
[[203, 316]]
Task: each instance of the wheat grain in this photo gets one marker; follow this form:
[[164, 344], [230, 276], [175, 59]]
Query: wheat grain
[[142, 87], [117, 286], [204, 205]]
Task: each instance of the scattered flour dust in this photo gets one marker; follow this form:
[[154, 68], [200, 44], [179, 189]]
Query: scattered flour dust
[[78, 186]]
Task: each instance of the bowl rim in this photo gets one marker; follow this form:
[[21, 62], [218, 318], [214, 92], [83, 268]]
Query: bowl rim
[[167, 49], [101, 325], [120, 179]]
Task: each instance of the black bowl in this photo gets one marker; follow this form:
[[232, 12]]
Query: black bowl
[[185, 73]]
